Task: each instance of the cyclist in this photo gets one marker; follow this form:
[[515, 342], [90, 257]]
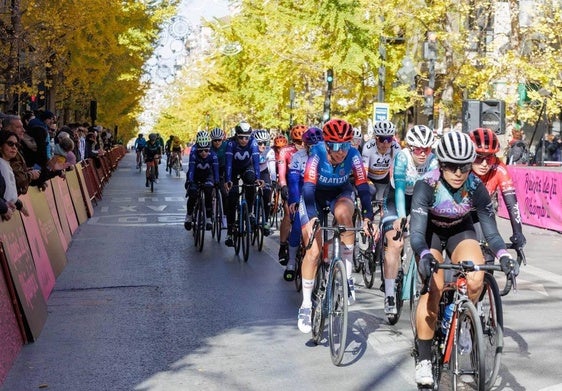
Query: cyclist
[[140, 143], [203, 171], [326, 183], [283, 161], [167, 151], [409, 165], [218, 146], [493, 172], [151, 153], [378, 155], [295, 178], [175, 151], [357, 141], [440, 219], [242, 162], [160, 143], [268, 172]]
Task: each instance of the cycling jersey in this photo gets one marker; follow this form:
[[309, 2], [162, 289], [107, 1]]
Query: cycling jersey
[[150, 150], [203, 169], [221, 155], [295, 177], [377, 164], [498, 178], [140, 143], [239, 158], [438, 208], [321, 176], [283, 162], [267, 163]]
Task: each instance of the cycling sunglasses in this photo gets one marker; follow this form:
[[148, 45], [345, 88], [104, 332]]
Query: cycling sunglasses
[[263, 143], [420, 150], [384, 139], [243, 137], [453, 167], [335, 147], [490, 159], [201, 150]]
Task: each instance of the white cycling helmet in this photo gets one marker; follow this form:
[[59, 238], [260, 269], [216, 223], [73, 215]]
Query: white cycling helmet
[[217, 134], [262, 135], [455, 147], [357, 134], [203, 139], [384, 128], [420, 136]]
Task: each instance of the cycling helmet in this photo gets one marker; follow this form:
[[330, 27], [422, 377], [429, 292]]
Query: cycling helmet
[[203, 139], [455, 147], [217, 134], [280, 141], [357, 134], [243, 129], [312, 136], [337, 131], [297, 132], [384, 128], [152, 136], [485, 140], [420, 136], [261, 135]]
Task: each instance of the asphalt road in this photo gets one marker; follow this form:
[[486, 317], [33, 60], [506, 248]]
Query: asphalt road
[[138, 308]]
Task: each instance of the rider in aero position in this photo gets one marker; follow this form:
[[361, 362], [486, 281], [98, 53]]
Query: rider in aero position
[[268, 172], [409, 165], [151, 153], [326, 183], [295, 179], [378, 154], [242, 161], [440, 219], [218, 146], [493, 172], [203, 170], [283, 162]]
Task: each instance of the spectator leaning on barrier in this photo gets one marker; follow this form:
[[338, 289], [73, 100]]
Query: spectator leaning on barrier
[[24, 175], [8, 150]]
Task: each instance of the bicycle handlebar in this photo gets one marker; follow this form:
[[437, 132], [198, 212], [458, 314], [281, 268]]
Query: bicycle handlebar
[[338, 228], [400, 232]]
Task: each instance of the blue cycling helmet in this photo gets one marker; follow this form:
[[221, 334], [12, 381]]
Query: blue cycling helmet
[[312, 136]]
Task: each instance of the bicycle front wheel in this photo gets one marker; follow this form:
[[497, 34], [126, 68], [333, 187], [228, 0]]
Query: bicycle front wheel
[[337, 311], [217, 226], [298, 267], [200, 222], [491, 317], [370, 266], [246, 229], [318, 313], [399, 283], [467, 362]]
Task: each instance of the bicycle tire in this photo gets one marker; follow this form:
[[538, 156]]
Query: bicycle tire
[[318, 316], [151, 178], [357, 264], [217, 226], [491, 317], [194, 225], [393, 318], [200, 221], [260, 222], [298, 268], [237, 231], [337, 311], [246, 230], [472, 364], [370, 265]]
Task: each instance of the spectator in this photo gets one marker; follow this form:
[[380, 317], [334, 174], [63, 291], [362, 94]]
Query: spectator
[[91, 149], [38, 128], [63, 157], [22, 173], [518, 152], [8, 150], [6, 208]]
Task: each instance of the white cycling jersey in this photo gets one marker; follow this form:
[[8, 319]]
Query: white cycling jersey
[[378, 165]]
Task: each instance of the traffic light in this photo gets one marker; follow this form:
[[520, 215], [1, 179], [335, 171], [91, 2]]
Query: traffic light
[[330, 78]]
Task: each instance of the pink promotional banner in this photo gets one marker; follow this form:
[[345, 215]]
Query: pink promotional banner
[[539, 195]]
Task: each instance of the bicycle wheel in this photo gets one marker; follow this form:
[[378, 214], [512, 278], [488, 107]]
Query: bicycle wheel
[[217, 223], [491, 316], [260, 222], [337, 311], [370, 265], [298, 268], [200, 222], [195, 226], [398, 285], [237, 234], [273, 221], [151, 178], [357, 222], [245, 232], [467, 360], [177, 167], [318, 317]]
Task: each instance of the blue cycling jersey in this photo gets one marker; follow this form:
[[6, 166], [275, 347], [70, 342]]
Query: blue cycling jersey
[[239, 158]]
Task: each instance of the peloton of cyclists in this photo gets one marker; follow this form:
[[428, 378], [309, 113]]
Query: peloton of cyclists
[[242, 162], [441, 220], [410, 164], [326, 183], [203, 170]]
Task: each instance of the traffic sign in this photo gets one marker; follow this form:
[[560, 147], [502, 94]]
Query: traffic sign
[[381, 111]]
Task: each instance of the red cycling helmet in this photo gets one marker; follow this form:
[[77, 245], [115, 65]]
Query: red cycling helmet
[[297, 131], [337, 131], [280, 141], [485, 141]]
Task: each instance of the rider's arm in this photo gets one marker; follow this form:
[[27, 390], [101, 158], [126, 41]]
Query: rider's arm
[[485, 209], [255, 157], [421, 203], [191, 167], [228, 161], [293, 180], [309, 185], [399, 173], [282, 167], [271, 165], [361, 183], [507, 190]]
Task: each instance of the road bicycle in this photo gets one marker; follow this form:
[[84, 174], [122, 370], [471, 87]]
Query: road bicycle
[[258, 230], [468, 346], [242, 227], [139, 160], [151, 168], [199, 218], [218, 214], [330, 292], [370, 252], [276, 208], [176, 163]]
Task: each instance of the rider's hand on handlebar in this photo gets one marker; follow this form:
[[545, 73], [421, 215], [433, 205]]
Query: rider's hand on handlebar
[[370, 229], [509, 265], [228, 186], [426, 265], [518, 239], [260, 182], [285, 192]]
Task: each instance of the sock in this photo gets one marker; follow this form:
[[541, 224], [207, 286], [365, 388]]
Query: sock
[[307, 287], [389, 286], [347, 255], [424, 349]]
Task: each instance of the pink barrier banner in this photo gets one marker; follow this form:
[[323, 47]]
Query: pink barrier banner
[[539, 194]]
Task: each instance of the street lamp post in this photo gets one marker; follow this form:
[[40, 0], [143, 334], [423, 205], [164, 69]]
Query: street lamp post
[[430, 54]]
